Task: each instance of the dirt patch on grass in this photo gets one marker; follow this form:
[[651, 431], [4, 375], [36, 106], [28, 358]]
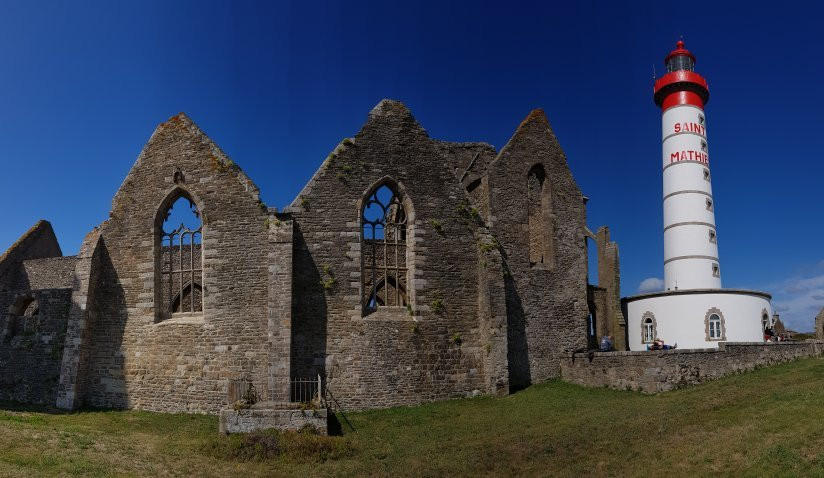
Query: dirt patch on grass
[[303, 446]]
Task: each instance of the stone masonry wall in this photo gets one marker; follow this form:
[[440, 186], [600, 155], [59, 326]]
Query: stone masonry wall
[[181, 363], [658, 371], [611, 321], [47, 273], [547, 303], [395, 355], [35, 294], [30, 359]]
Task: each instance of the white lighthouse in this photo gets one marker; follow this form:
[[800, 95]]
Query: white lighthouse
[[693, 310], [690, 238]]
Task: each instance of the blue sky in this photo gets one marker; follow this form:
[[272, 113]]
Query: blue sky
[[278, 84]]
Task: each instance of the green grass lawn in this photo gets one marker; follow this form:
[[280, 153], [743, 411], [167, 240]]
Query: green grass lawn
[[765, 423]]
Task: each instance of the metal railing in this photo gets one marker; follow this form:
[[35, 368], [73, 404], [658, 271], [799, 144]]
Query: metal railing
[[306, 390]]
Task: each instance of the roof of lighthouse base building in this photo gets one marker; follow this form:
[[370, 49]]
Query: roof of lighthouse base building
[[696, 291]]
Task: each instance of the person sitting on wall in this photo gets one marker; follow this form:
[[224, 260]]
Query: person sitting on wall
[[768, 334], [658, 344], [606, 344]]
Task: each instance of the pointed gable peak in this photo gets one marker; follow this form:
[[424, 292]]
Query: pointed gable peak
[[392, 113], [535, 117], [388, 107], [180, 119]]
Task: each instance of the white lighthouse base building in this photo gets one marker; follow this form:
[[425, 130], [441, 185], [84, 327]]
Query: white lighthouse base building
[[696, 318]]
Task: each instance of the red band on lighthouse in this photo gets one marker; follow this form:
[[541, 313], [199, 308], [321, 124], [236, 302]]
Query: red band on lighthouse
[[682, 98]]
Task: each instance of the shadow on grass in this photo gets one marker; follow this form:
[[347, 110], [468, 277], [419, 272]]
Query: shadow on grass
[[30, 407], [10, 406]]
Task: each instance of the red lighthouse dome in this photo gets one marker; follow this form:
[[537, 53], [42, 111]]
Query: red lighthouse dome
[[681, 85]]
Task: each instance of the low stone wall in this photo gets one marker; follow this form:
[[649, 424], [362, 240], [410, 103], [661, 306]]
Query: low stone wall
[[285, 417], [662, 370]]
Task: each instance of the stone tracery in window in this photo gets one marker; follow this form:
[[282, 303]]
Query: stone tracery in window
[[180, 261], [384, 224]]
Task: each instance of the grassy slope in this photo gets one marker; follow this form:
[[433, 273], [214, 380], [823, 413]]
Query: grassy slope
[[769, 422]]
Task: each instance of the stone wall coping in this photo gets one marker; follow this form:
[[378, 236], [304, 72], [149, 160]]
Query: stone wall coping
[[721, 348], [696, 291]]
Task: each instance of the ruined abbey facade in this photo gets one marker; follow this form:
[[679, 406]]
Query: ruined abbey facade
[[407, 270]]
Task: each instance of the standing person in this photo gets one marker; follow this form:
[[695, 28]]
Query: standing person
[[606, 344]]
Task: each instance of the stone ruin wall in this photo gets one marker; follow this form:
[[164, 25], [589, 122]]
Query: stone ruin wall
[[33, 276], [136, 361], [30, 359], [546, 303], [393, 356], [267, 315]]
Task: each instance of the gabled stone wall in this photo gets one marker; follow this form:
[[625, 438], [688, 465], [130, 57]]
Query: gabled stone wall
[[393, 355], [36, 243], [283, 293], [547, 303], [181, 363], [34, 304]]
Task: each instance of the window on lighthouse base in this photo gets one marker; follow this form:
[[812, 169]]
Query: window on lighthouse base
[[648, 328], [649, 331], [714, 326]]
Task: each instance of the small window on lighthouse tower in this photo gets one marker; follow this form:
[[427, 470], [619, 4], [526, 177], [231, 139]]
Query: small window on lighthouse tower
[[700, 119], [709, 204], [712, 237], [704, 146], [716, 272], [706, 174]]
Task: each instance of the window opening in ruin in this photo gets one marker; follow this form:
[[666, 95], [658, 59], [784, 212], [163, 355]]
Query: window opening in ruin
[[538, 209], [181, 240], [473, 185], [23, 316], [384, 223], [715, 327]]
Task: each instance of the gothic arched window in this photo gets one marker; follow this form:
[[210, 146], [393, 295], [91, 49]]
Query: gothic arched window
[[384, 223], [541, 247], [180, 270]]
